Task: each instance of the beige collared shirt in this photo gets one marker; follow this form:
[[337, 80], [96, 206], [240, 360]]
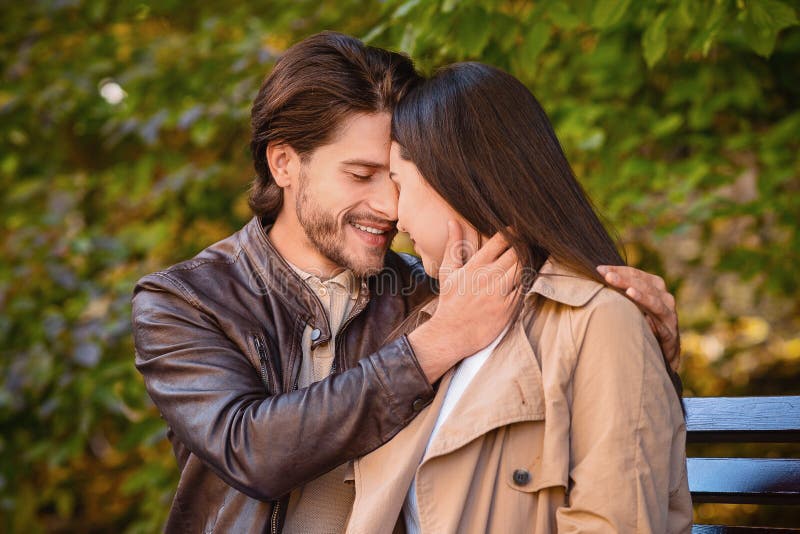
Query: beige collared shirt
[[323, 504], [338, 296]]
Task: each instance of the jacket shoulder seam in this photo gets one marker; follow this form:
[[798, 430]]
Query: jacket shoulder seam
[[185, 290], [201, 262], [181, 287]]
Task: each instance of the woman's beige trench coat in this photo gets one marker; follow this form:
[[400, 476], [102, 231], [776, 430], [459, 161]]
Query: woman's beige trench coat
[[571, 425]]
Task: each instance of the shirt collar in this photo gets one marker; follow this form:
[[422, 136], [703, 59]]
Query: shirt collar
[[345, 279]]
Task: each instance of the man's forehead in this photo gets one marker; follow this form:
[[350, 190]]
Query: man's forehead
[[364, 140]]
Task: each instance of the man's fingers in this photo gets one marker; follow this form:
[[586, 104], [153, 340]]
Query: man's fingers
[[649, 292], [624, 276], [652, 304], [675, 357], [645, 289], [668, 338], [513, 278], [653, 326], [453, 258], [491, 250], [507, 260]]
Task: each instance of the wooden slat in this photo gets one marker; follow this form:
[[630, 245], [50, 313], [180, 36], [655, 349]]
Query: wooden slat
[[723, 529], [743, 419], [744, 480]]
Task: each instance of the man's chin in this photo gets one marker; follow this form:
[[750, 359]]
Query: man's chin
[[365, 267], [366, 261]]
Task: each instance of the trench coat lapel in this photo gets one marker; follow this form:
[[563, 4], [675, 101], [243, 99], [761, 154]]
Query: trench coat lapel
[[507, 389], [382, 477]]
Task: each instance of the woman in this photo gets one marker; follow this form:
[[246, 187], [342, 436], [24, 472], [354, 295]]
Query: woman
[[570, 421]]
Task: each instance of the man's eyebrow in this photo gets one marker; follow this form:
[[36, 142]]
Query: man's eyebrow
[[365, 163]]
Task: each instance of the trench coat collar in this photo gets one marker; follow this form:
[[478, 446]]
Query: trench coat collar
[[560, 283], [555, 282]]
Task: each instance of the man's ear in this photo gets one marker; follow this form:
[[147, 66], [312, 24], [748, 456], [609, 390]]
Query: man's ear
[[284, 163]]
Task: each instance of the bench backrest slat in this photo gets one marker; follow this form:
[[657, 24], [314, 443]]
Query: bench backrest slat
[[745, 480], [743, 419], [723, 529]]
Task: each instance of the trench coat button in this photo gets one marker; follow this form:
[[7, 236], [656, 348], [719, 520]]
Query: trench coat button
[[315, 334], [521, 477], [418, 404]]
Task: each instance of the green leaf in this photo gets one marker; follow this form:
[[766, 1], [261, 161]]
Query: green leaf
[[607, 13], [561, 15], [760, 38], [667, 125], [374, 33], [654, 40], [772, 14], [708, 34], [405, 9], [535, 41], [409, 40], [449, 5], [686, 12], [472, 32], [765, 19]]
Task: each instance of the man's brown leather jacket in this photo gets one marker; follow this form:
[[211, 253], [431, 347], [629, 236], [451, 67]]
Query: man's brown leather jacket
[[218, 341]]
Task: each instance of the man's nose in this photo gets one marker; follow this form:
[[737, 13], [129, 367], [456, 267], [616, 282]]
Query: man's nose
[[384, 198]]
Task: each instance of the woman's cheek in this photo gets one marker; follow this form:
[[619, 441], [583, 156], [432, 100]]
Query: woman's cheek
[[438, 248]]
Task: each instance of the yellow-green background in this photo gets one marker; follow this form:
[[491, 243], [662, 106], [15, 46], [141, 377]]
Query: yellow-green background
[[681, 119]]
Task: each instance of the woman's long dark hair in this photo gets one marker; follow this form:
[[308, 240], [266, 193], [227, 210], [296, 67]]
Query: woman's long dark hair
[[485, 145], [483, 142]]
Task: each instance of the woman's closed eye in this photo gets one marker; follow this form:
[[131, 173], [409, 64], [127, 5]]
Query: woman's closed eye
[[360, 177]]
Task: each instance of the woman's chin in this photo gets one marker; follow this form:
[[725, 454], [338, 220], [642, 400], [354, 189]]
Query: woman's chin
[[431, 268]]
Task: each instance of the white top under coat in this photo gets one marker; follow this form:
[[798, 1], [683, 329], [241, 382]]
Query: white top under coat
[[462, 376]]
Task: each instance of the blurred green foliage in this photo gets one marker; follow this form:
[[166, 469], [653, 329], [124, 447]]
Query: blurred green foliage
[[123, 149]]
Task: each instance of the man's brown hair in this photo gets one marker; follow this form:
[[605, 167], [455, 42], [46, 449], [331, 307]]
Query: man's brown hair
[[313, 88]]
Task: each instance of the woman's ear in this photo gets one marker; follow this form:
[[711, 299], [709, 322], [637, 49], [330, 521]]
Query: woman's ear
[[283, 163]]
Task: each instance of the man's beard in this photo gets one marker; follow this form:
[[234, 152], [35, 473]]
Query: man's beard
[[329, 238]]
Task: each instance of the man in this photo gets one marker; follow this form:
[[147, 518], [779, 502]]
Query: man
[[270, 353]]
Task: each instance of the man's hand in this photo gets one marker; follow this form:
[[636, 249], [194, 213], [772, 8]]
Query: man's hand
[[650, 293], [476, 301]]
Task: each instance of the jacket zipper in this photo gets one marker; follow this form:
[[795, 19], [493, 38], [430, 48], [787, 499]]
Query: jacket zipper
[[274, 520], [277, 506], [262, 357], [356, 311]]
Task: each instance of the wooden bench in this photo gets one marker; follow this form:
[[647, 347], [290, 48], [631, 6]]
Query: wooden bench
[[744, 480]]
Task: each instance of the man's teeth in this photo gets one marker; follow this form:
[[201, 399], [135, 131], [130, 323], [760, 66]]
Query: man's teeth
[[368, 229]]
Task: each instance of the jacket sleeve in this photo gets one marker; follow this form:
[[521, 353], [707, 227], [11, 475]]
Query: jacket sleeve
[[627, 437], [264, 446]]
